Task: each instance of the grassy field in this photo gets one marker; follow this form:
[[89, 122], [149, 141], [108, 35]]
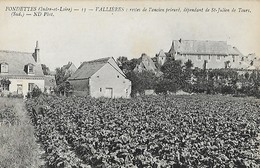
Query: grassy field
[[18, 147]]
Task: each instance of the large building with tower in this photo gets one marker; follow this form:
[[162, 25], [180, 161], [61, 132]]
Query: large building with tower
[[205, 54]]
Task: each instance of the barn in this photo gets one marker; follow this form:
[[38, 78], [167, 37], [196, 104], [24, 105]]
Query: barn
[[100, 78]]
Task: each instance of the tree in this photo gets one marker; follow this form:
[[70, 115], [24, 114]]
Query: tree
[[122, 61], [61, 80], [188, 64], [36, 92], [187, 70], [61, 75], [172, 70], [45, 69], [135, 82], [127, 65], [165, 85], [64, 88], [141, 81]]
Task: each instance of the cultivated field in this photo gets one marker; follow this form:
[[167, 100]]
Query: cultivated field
[[18, 147], [182, 131]]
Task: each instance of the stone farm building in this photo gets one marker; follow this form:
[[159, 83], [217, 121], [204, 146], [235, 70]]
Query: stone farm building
[[206, 54], [22, 70], [100, 78], [146, 64]]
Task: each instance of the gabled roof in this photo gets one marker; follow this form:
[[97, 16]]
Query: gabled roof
[[199, 47], [238, 52], [87, 69], [146, 64], [161, 54], [70, 66], [16, 62], [49, 81], [233, 50]]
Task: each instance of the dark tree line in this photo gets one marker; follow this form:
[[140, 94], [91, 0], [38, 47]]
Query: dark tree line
[[175, 75]]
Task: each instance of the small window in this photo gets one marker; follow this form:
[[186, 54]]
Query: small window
[[30, 68], [100, 89], [233, 58], [4, 84], [97, 76], [4, 68], [6, 87], [209, 57], [30, 87], [117, 76], [199, 57]]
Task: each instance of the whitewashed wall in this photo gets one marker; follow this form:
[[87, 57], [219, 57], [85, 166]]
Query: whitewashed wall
[[24, 83], [108, 77]]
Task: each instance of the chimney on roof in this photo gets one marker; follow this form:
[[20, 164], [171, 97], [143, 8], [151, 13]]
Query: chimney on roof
[[36, 54]]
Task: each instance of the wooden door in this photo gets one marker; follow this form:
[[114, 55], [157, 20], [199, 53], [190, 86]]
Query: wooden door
[[19, 89], [109, 92]]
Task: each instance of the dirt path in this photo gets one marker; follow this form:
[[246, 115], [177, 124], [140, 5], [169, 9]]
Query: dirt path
[[22, 112]]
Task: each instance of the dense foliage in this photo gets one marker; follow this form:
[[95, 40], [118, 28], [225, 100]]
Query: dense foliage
[[36, 92], [174, 75], [184, 131], [61, 77], [142, 81], [127, 65], [45, 69], [8, 116]]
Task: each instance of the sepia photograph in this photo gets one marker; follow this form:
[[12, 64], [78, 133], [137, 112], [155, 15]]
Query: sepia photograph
[[129, 84]]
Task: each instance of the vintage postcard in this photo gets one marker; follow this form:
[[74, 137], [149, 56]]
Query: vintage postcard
[[129, 84]]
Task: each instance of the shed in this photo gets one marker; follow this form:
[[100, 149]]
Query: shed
[[100, 78]]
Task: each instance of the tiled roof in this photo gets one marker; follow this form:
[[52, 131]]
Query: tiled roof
[[233, 50], [237, 51], [87, 69], [199, 47], [16, 62]]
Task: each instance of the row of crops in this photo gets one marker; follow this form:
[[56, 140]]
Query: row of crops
[[182, 131]]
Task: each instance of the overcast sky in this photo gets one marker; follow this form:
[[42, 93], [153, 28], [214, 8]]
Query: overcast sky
[[79, 37]]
